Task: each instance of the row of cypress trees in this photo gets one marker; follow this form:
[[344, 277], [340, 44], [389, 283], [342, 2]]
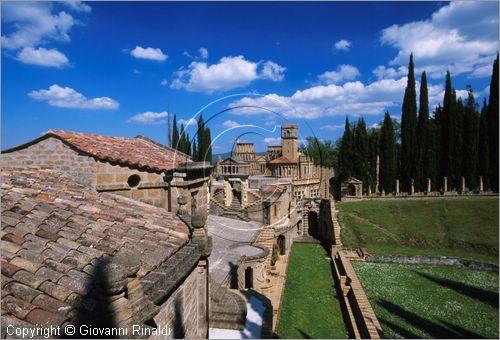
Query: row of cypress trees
[[456, 140], [453, 143], [199, 149]]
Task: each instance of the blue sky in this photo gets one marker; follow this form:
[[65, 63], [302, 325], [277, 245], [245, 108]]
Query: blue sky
[[115, 67]]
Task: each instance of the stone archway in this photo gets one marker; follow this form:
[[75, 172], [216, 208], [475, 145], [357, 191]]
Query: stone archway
[[351, 190], [313, 223], [281, 241]]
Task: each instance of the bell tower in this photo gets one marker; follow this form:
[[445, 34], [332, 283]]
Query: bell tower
[[289, 135]]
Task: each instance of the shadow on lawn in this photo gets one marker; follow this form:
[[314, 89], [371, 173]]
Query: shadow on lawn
[[434, 329], [488, 297]]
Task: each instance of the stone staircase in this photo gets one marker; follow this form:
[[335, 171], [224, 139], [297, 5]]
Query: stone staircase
[[235, 211]]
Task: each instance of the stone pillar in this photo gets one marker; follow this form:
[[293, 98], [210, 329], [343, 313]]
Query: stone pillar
[[228, 193], [429, 188], [412, 186], [445, 184], [463, 184], [397, 186], [480, 183], [369, 190]]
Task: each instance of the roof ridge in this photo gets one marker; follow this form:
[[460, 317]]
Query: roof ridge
[[166, 147]]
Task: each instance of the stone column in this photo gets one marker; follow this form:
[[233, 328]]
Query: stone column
[[369, 190], [429, 188], [412, 186], [463, 184], [480, 183], [445, 184], [397, 186]]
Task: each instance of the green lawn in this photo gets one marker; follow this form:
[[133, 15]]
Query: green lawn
[[310, 308], [421, 301], [466, 227]]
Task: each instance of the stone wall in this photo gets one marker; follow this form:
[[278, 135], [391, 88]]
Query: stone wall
[[150, 189], [54, 153], [186, 310], [361, 320]]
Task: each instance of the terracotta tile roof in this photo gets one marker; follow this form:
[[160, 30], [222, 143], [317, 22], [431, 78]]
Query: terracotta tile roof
[[282, 160], [289, 126], [138, 152], [56, 234]]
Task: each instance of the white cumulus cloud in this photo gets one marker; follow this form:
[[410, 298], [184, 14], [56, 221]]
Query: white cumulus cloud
[[77, 6], [149, 118], [353, 98], [343, 72], [461, 37], [42, 57], [187, 122], [272, 140], [148, 53], [343, 45], [229, 73], [28, 25], [273, 71], [230, 124], [332, 127], [69, 98], [383, 72], [203, 53]]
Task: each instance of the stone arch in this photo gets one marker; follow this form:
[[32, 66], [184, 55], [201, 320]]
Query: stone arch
[[351, 190]]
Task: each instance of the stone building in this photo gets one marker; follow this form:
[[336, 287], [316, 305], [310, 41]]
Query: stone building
[[137, 168], [72, 256]]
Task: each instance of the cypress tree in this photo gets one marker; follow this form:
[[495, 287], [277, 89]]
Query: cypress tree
[[345, 153], [484, 150], [408, 131], [423, 136], [456, 123], [208, 146], [470, 141], [444, 125], [493, 127], [201, 139], [432, 156], [175, 134], [361, 152], [373, 152], [195, 152], [387, 155], [182, 140]]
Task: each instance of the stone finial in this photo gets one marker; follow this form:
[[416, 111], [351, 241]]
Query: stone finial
[[182, 201], [198, 220], [480, 183], [412, 185], [463, 184], [429, 185], [445, 184]]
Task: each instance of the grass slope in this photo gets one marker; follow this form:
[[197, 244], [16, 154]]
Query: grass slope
[[419, 301], [310, 308], [465, 228]]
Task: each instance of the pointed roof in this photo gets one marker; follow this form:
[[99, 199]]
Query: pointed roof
[[139, 152]]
